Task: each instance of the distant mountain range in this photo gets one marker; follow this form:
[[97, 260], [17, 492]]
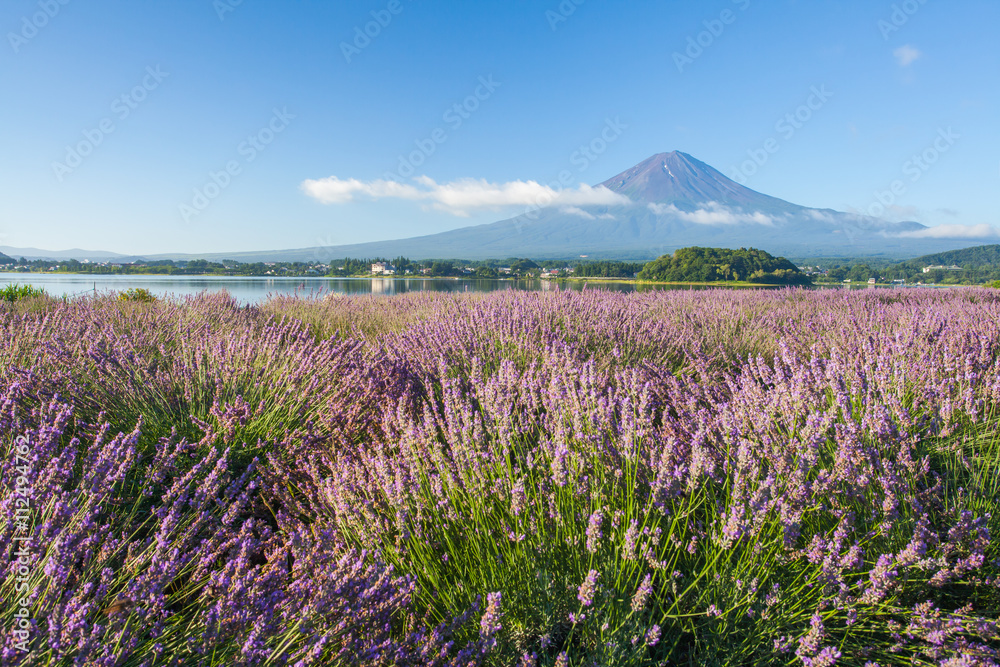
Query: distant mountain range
[[674, 201], [980, 257], [74, 253]]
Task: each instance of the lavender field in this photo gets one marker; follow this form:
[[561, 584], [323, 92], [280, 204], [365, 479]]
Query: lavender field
[[687, 478]]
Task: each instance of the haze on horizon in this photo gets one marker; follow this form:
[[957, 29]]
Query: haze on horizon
[[225, 125]]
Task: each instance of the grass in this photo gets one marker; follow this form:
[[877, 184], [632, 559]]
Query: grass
[[137, 295], [13, 293], [713, 478]]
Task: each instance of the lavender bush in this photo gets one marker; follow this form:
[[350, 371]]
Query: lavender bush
[[711, 478]]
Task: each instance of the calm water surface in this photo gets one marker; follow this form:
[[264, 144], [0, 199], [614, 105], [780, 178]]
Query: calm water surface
[[254, 290], [257, 289]]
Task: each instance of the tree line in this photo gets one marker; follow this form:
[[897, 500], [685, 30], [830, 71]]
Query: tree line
[[706, 265]]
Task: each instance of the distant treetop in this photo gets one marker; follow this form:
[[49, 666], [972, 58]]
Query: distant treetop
[[977, 256], [706, 265]]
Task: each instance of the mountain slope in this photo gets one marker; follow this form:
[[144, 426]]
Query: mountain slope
[[675, 201], [75, 253], [677, 178], [979, 256]]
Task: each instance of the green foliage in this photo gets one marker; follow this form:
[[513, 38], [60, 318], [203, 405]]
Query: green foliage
[[705, 265], [607, 270], [442, 269], [351, 266], [995, 284], [523, 266], [979, 265], [12, 293], [862, 273], [486, 272], [137, 294], [528, 485], [984, 255]]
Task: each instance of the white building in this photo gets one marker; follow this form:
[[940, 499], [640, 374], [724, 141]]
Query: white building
[[383, 269], [928, 269]]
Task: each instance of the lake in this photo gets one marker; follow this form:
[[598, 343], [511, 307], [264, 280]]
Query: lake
[[255, 289]]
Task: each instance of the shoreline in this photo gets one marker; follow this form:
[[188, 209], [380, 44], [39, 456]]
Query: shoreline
[[634, 281], [622, 281], [189, 276]]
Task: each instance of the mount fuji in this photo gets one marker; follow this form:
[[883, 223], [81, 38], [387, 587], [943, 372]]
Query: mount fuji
[[675, 201], [669, 201]]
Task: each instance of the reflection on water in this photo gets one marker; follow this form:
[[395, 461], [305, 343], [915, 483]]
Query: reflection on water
[[254, 290]]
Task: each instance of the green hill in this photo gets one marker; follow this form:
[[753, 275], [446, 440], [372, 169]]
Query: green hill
[[978, 256], [706, 265], [4, 259]]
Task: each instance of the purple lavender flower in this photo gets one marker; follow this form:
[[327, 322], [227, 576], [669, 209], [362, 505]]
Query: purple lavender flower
[[642, 594], [518, 499], [490, 622], [594, 533], [588, 589]]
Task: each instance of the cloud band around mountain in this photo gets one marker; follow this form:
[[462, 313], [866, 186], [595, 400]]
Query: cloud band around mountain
[[460, 197], [953, 232], [713, 213]]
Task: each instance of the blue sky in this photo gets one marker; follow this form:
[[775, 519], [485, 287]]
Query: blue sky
[[217, 125]]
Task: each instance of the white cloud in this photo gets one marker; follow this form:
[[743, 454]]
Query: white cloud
[[335, 191], [954, 232], [906, 55], [576, 210], [713, 213], [462, 196], [586, 215], [821, 216]]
